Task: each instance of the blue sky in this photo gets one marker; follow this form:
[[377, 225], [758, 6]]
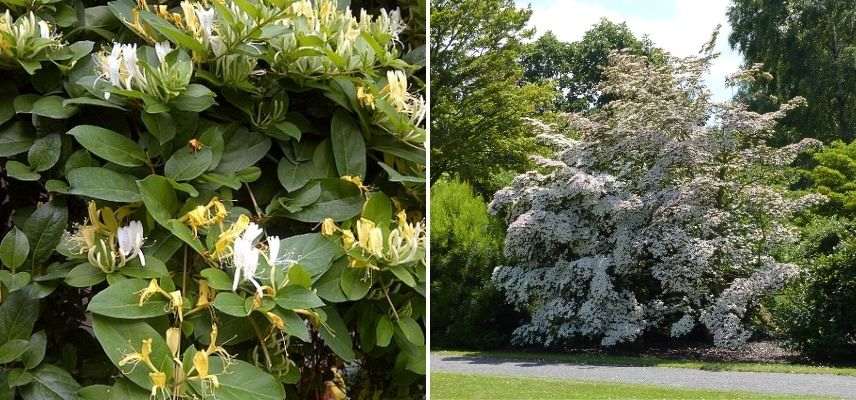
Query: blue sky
[[678, 26]]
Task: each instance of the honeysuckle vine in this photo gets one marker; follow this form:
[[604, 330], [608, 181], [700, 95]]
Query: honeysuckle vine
[[232, 190]]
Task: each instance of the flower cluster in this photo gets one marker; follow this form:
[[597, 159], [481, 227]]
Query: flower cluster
[[26, 39], [657, 219], [105, 243]]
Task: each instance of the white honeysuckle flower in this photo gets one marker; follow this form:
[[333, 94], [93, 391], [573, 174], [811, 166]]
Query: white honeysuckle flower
[[131, 241], [246, 257], [129, 57], [162, 49], [273, 248], [206, 22], [113, 66], [44, 29]]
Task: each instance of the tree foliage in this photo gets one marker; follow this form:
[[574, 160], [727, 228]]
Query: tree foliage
[[658, 220], [478, 105], [466, 245], [576, 68], [834, 176], [810, 49], [226, 196]]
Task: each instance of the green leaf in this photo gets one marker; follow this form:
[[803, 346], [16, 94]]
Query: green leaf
[[18, 314], [154, 268], [44, 230], [294, 325], [121, 300], [297, 297], [217, 279], [52, 107], [172, 33], [124, 389], [378, 209], [196, 98], [91, 101], [51, 383], [395, 176], [119, 338], [45, 152], [21, 171], [311, 251], [297, 275], [159, 198], [24, 103], [85, 275], [184, 233], [328, 286], [401, 273], [14, 248], [36, 348], [384, 331], [104, 184], [55, 186], [339, 200], [355, 283], [161, 126], [11, 350], [412, 331], [241, 381], [15, 138], [336, 335], [186, 164], [19, 377], [16, 281], [244, 149], [231, 304], [109, 145], [98, 392], [349, 147]]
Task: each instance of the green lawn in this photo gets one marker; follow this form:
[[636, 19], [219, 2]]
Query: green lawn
[[649, 361], [456, 386]]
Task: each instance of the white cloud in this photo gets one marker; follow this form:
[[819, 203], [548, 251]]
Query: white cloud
[[681, 31]]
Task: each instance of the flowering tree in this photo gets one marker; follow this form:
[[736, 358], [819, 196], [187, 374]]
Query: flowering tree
[[225, 195], [661, 217]]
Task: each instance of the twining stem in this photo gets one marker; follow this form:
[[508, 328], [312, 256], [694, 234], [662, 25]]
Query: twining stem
[[259, 335], [184, 273], [253, 198], [388, 299]]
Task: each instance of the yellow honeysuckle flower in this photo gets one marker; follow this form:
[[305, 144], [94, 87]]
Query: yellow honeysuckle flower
[[364, 228], [158, 384], [143, 356], [203, 216], [176, 304], [348, 239], [275, 320], [173, 341], [365, 98], [328, 227], [204, 294], [222, 248], [150, 291]]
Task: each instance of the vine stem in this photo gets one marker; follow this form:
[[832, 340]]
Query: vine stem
[[253, 199], [262, 343], [389, 300]]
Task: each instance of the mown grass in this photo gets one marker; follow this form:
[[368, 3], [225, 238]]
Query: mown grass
[[651, 361], [446, 386]]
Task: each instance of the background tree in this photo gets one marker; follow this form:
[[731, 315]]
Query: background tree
[[478, 103], [809, 46], [576, 68]]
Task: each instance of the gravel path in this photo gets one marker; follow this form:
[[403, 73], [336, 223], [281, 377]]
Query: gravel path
[[760, 382]]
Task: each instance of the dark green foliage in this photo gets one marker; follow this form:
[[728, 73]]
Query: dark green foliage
[[576, 68], [810, 48], [478, 104], [466, 244], [816, 314]]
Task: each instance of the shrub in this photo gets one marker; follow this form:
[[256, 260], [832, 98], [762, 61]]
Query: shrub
[[226, 196], [657, 221], [834, 175], [815, 313], [466, 244]]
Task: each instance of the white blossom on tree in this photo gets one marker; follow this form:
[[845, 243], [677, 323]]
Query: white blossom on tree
[[664, 215]]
